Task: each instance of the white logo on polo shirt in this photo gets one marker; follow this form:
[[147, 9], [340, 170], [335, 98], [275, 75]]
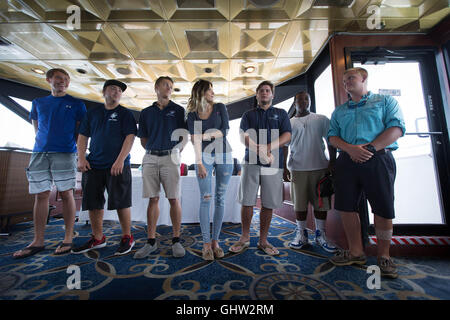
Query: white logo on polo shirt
[[274, 117], [171, 113], [113, 117], [68, 107]]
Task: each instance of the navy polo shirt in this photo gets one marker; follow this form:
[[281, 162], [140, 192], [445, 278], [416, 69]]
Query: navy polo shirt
[[217, 120], [270, 119], [107, 130], [158, 125]]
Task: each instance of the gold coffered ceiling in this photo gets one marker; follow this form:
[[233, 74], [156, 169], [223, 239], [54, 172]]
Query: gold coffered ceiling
[[137, 41]]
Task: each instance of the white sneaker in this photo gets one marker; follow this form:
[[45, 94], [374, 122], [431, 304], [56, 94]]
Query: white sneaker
[[300, 240], [322, 241]]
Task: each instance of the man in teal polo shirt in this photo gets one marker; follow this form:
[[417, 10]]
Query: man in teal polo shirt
[[365, 130]]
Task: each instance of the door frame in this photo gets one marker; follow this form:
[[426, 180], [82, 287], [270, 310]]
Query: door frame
[[438, 118]]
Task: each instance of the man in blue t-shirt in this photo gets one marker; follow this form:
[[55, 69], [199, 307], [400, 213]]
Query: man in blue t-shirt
[[263, 130], [163, 133], [55, 119], [112, 129]]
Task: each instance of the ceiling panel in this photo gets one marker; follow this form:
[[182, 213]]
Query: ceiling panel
[[233, 43]]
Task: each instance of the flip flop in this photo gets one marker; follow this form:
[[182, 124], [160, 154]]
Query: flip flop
[[30, 251], [239, 244], [63, 245], [268, 249]]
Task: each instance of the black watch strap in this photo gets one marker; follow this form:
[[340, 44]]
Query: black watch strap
[[370, 148]]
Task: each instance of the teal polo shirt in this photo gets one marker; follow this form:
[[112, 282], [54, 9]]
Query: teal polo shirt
[[362, 122]]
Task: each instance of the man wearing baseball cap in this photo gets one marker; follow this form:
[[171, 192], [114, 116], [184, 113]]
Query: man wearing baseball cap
[[112, 129]]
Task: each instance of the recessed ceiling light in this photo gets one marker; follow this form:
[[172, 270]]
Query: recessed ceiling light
[[208, 70], [177, 90], [250, 69], [82, 71], [38, 71]]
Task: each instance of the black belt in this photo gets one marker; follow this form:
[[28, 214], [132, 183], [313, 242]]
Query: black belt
[[383, 151], [159, 153]]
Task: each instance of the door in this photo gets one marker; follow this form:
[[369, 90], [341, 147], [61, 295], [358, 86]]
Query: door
[[421, 186]]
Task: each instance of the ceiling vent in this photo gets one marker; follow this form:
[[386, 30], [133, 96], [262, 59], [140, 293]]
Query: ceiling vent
[[123, 70], [196, 4], [334, 3], [264, 3]]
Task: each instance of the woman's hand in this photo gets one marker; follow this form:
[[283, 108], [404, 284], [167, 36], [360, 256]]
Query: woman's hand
[[201, 171]]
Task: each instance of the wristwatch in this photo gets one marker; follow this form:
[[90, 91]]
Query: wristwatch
[[370, 148]]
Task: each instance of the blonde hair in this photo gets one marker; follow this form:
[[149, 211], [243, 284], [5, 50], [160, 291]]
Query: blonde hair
[[363, 72], [197, 101]]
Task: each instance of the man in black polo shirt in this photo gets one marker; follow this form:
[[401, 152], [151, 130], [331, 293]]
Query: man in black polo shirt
[[161, 162], [112, 129]]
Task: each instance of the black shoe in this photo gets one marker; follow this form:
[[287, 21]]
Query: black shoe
[[90, 245], [126, 244]]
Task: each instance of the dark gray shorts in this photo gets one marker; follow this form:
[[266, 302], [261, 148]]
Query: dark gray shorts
[[95, 181], [375, 178]]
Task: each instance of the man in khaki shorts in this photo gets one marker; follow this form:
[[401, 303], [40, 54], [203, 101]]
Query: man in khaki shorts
[[55, 120], [263, 130], [161, 163], [307, 164]]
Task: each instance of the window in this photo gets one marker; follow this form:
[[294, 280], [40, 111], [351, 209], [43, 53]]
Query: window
[[24, 103], [286, 104], [235, 141], [323, 88], [15, 131], [137, 152]]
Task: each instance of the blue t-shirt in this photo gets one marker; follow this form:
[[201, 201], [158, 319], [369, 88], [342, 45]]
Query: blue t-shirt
[[158, 125], [57, 119], [217, 120], [107, 130], [270, 119], [362, 122]]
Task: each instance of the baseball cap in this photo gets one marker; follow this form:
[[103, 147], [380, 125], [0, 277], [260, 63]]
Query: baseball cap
[[112, 82]]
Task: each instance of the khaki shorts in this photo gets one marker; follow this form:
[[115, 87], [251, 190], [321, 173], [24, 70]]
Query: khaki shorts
[[303, 190], [254, 176], [163, 170]]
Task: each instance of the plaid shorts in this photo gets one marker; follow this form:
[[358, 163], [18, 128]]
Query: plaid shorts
[[46, 168]]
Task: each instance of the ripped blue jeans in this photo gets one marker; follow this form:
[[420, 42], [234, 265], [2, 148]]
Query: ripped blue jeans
[[223, 168]]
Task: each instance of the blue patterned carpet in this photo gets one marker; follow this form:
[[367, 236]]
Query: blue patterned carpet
[[304, 274]]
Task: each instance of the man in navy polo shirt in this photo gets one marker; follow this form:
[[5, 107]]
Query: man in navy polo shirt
[[112, 129], [55, 119], [263, 130], [160, 127]]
